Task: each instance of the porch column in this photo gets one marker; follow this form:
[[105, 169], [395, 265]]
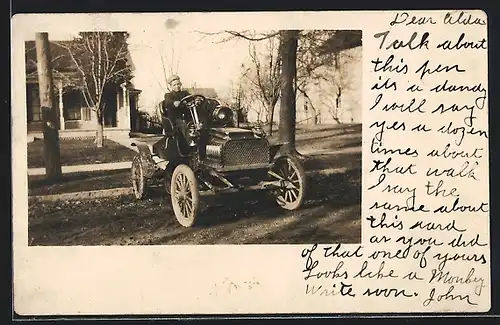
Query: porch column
[[118, 109], [126, 108], [61, 107]]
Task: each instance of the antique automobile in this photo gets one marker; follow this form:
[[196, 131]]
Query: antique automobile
[[217, 156]]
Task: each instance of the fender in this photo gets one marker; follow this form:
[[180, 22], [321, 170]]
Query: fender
[[275, 151]]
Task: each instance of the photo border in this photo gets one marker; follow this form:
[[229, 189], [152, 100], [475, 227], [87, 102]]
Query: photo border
[[37, 7]]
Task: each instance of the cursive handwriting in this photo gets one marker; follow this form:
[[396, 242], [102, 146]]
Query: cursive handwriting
[[439, 276], [379, 274], [383, 166], [447, 153], [395, 224], [446, 257], [399, 107], [447, 296], [461, 44], [411, 44], [345, 290], [338, 252], [391, 292], [438, 190], [376, 147], [385, 66], [430, 226], [407, 20], [425, 70], [422, 222], [462, 208], [465, 171], [462, 19]]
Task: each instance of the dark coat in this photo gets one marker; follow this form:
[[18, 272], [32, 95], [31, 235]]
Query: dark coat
[[169, 110]]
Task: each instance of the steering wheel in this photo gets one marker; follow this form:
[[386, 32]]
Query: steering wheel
[[192, 100]]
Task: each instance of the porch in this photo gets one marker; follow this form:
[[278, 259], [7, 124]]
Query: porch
[[76, 119]]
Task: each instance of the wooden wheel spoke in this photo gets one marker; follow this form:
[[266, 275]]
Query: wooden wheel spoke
[[189, 207], [178, 184], [287, 196], [282, 172], [179, 181], [183, 209]]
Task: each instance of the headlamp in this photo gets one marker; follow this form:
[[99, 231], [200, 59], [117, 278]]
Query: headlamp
[[223, 114]]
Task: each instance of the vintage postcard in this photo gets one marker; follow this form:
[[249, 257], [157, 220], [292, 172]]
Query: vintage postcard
[[250, 163]]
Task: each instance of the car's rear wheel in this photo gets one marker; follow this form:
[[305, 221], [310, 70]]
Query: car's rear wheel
[[291, 192], [139, 182], [185, 195]]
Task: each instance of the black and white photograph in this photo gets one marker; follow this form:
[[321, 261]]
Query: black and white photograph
[[194, 137], [250, 163]]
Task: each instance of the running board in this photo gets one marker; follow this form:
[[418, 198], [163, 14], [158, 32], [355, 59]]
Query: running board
[[229, 190]]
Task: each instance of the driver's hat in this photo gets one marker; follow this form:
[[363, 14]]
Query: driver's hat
[[173, 78]]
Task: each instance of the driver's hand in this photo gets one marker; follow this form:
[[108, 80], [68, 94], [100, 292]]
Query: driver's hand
[[177, 103]]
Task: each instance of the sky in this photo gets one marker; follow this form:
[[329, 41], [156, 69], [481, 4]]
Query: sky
[[201, 61], [197, 60]]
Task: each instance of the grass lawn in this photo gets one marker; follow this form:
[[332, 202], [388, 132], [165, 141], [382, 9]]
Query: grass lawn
[[77, 182], [329, 137], [81, 152]]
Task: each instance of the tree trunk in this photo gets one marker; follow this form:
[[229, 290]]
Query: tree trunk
[[270, 119], [314, 117], [338, 101], [99, 135], [289, 43], [50, 118]]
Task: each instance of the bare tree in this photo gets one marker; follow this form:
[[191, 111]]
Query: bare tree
[[288, 40], [170, 59], [264, 76], [239, 97], [101, 59]]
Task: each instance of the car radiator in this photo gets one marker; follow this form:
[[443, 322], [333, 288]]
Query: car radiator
[[245, 152]]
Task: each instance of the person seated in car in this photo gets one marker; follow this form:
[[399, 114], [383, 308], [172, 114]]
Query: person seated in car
[[172, 108]]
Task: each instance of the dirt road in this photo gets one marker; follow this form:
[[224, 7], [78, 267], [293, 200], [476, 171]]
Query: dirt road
[[331, 213]]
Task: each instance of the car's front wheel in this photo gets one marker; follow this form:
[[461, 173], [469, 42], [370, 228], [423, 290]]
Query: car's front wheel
[[185, 195], [291, 192]]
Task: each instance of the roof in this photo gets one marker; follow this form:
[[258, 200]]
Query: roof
[[342, 40], [207, 92], [60, 58]]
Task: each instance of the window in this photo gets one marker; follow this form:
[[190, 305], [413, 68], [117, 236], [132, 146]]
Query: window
[[87, 113], [72, 106], [73, 113], [33, 103]]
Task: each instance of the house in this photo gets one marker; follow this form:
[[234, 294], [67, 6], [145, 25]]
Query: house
[[77, 119], [334, 98], [337, 99]]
